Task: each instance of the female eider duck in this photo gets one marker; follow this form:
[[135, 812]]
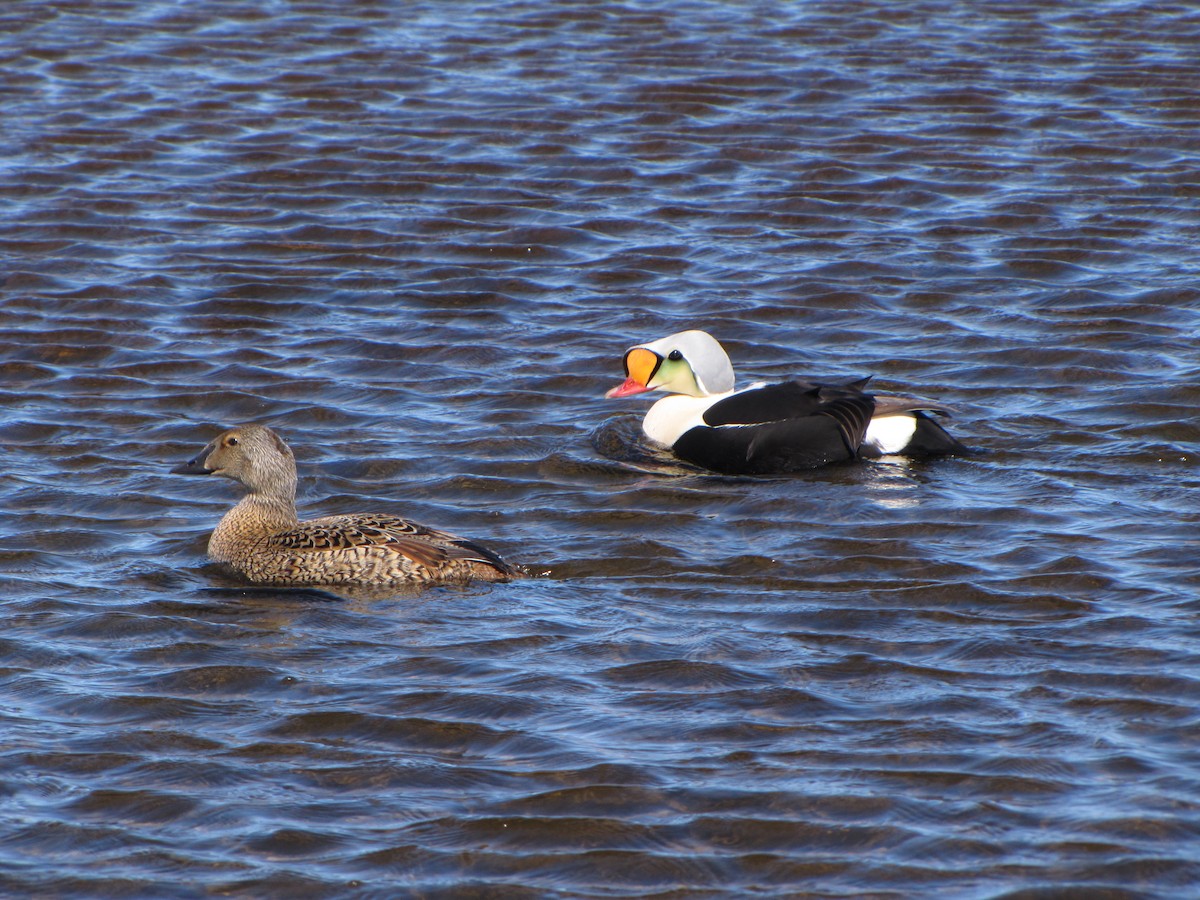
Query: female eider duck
[[769, 428], [263, 540]]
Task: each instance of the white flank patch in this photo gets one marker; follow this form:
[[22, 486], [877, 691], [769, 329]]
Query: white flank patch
[[890, 434]]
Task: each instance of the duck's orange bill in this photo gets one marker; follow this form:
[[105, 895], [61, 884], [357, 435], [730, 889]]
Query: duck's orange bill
[[640, 366]]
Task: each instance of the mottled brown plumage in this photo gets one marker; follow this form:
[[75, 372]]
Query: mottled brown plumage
[[262, 538]]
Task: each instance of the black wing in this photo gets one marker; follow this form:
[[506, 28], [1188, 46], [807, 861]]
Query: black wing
[[775, 402], [780, 428], [772, 448]]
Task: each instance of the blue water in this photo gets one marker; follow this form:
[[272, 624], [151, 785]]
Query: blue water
[[416, 240]]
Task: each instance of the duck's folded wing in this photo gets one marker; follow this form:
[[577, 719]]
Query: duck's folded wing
[[767, 403], [773, 447], [889, 405], [830, 434], [777, 402], [426, 546], [853, 415], [793, 425]]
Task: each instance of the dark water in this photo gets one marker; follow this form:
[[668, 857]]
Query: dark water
[[416, 238]]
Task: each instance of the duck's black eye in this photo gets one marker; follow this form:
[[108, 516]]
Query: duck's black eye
[[675, 356], [231, 442]]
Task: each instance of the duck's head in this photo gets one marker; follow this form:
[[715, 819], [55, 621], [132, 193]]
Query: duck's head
[[252, 455], [690, 362]]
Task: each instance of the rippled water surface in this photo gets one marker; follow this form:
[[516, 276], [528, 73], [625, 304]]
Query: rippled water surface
[[416, 239]]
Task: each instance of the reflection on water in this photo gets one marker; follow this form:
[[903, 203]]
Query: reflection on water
[[893, 483], [417, 244]]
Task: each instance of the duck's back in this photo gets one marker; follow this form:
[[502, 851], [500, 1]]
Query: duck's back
[[787, 427], [365, 549]]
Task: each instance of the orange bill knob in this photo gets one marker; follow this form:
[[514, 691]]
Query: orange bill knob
[[640, 366]]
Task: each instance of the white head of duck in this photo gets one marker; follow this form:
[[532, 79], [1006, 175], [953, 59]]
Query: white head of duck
[[692, 363]]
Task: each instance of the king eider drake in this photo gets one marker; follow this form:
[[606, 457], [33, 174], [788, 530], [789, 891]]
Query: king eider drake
[[769, 428], [263, 540]]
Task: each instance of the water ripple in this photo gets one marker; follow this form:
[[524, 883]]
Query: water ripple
[[418, 245]]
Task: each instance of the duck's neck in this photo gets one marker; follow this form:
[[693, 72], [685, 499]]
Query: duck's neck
[[256, 516]]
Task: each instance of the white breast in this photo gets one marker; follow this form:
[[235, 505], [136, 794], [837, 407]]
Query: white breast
[[671, 416]]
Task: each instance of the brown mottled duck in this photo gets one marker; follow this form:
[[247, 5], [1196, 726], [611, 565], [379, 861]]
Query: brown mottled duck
[[262, 538]]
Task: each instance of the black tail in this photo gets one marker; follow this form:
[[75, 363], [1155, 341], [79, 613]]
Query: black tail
[[931, 439]]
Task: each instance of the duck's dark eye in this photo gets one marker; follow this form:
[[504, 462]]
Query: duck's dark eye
[[231, 442], [675, 356]]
